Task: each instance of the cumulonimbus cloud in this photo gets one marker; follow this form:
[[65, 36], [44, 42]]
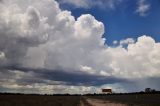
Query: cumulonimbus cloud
[[39, 35]]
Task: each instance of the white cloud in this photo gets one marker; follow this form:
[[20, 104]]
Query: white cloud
[[19, 30], [38, 34], [2, 55], [135, 61], [109, 4], [127, 41], [50, 89], [115, 42], [143, 7], [76, 3]]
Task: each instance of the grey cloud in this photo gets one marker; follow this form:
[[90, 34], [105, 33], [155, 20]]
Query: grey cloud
[[140, 84], [19, 31], [72, 78], [67, 77]]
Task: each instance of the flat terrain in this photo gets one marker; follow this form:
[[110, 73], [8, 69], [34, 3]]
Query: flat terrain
[[98, 102], [94, 100], [131, 99], [39, 100]]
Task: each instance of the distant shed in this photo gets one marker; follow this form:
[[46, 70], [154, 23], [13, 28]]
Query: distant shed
[[106, 90]]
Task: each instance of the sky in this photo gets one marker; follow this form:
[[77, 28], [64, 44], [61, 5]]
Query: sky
[[122, 18], [79, 46]]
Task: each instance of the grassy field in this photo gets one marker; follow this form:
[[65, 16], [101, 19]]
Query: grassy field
[[50, 100], [132, 99], [39, 100]]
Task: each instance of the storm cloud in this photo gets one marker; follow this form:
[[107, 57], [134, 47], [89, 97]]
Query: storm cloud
[[42, 44], [67, 77]]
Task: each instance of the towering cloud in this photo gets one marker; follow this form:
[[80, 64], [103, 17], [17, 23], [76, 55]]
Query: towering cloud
[[40, 44]]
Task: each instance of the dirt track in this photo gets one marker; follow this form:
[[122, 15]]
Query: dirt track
[[96, 102]]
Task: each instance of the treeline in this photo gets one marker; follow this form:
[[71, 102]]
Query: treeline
[[132, 93], [95, 94], [6, 93]]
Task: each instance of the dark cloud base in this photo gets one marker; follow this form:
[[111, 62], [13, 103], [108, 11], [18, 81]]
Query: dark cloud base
[[69, 77]]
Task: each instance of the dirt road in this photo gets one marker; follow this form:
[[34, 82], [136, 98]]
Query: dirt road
[[97, 102]]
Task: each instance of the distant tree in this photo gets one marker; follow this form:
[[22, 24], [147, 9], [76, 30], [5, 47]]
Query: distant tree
[[148, 90], [153, 90]]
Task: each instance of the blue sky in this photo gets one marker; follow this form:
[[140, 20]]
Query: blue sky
[[123, 22], [56, 46]]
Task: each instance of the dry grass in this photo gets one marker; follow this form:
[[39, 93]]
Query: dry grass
[[132, 99], [46, 100], [38, 100]]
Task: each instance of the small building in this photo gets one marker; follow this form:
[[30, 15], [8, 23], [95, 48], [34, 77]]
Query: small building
[[108, 91]]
